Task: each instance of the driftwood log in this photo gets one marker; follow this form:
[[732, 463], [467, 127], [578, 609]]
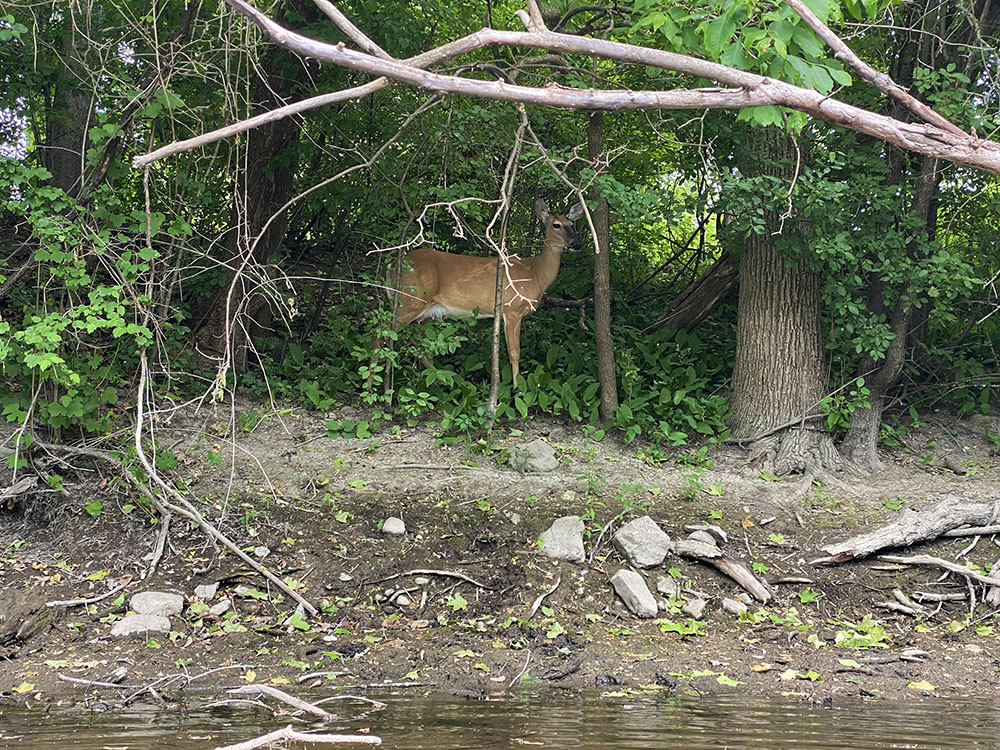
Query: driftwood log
[[712, 555], [911, 527]]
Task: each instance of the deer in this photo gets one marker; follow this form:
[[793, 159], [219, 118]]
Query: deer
[[434, 284]]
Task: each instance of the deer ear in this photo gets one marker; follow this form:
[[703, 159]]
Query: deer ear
[[575, 213], [541, 208]]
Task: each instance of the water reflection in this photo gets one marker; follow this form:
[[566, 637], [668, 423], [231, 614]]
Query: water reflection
[[586, 721]]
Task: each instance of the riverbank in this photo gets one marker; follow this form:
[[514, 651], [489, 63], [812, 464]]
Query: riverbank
[[465, 600]]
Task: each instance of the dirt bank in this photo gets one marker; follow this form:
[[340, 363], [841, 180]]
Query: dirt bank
[[276, 481]]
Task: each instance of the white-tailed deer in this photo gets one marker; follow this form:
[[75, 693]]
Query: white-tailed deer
[[435, 284]]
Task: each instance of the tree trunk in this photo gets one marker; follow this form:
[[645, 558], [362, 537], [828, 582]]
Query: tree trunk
[[859, 445], [263, 186], [778, 376], [606, 374], [68, 117]]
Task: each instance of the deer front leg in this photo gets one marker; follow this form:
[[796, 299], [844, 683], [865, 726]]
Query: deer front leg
[[512, 332]]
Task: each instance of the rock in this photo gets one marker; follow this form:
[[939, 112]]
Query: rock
[[402, 600], [261, 552], [221, 607], [695, 608], [668, 586], [393, 526], [421, 581], [633, 590], [564, 539], [206, 591], [720, 536], [140, 625], [703, 536], [157, 603], [345, 577], [534, 456], [733, 606], [643, 542], [246, 592], [744, 597]]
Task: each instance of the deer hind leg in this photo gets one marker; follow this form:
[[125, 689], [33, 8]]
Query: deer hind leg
[[512, 332]]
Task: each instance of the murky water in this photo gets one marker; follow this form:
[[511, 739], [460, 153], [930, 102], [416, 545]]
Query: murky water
[[589, 722]]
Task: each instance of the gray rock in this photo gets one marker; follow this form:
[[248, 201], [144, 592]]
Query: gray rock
[[733, 606], [221, 607], [643, 542], [393, 526], [744, 597], [564, 539], [402, 600], [140, 625], [157, 603], [632, 590], [534, 456], [206, 591], [695, 608], [703, 536], [720, 536], [421, 581], [668, 586], [345, 577], [261, 552]]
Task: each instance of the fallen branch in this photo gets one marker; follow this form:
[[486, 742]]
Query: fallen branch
[[443, 573], [541, 598], [909, 528], [89, 600], [281, 695], [712, 555], [937, 562], [290, 735]]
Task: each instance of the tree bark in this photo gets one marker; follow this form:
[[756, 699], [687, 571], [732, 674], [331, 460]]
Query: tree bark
[[778, 376], [606, 374], [701, 296], [263, 186], [68, 116]]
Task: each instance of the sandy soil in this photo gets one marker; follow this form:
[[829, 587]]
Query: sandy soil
[[274, 479]]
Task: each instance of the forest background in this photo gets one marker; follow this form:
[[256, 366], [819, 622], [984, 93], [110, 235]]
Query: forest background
[[761, 276]]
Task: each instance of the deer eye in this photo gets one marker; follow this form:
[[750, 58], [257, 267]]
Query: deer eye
[[556, 225]]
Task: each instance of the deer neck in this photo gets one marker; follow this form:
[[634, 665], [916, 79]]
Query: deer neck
[[546, 265]]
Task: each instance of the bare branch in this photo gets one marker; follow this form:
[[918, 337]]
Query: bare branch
[[353, 32], [882, 81], [754, 89]]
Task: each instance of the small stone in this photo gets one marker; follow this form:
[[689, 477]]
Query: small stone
[[744, 597], [632, 589], [703, 536], [157, 603], [668, 586], [140, 625], [568, 496], [643, 542], [221, 607], [393, 526], [402, 600], [720, 536], [734, 606], [421, 581], [345, 577], [261, 552], [534, 456], [245, 591], [695, 608], [564, 540], [206, 591]]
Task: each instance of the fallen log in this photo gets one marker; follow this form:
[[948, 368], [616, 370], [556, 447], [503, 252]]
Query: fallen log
[[911, 527], [712, 555]]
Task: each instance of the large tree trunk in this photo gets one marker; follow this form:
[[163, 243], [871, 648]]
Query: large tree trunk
[[778, 377], [263, 186], [606, 374]]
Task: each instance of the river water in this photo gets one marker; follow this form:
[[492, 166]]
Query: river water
[[586, 721]]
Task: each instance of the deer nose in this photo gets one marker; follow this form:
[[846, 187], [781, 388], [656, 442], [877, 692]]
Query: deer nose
[[574, 243]]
